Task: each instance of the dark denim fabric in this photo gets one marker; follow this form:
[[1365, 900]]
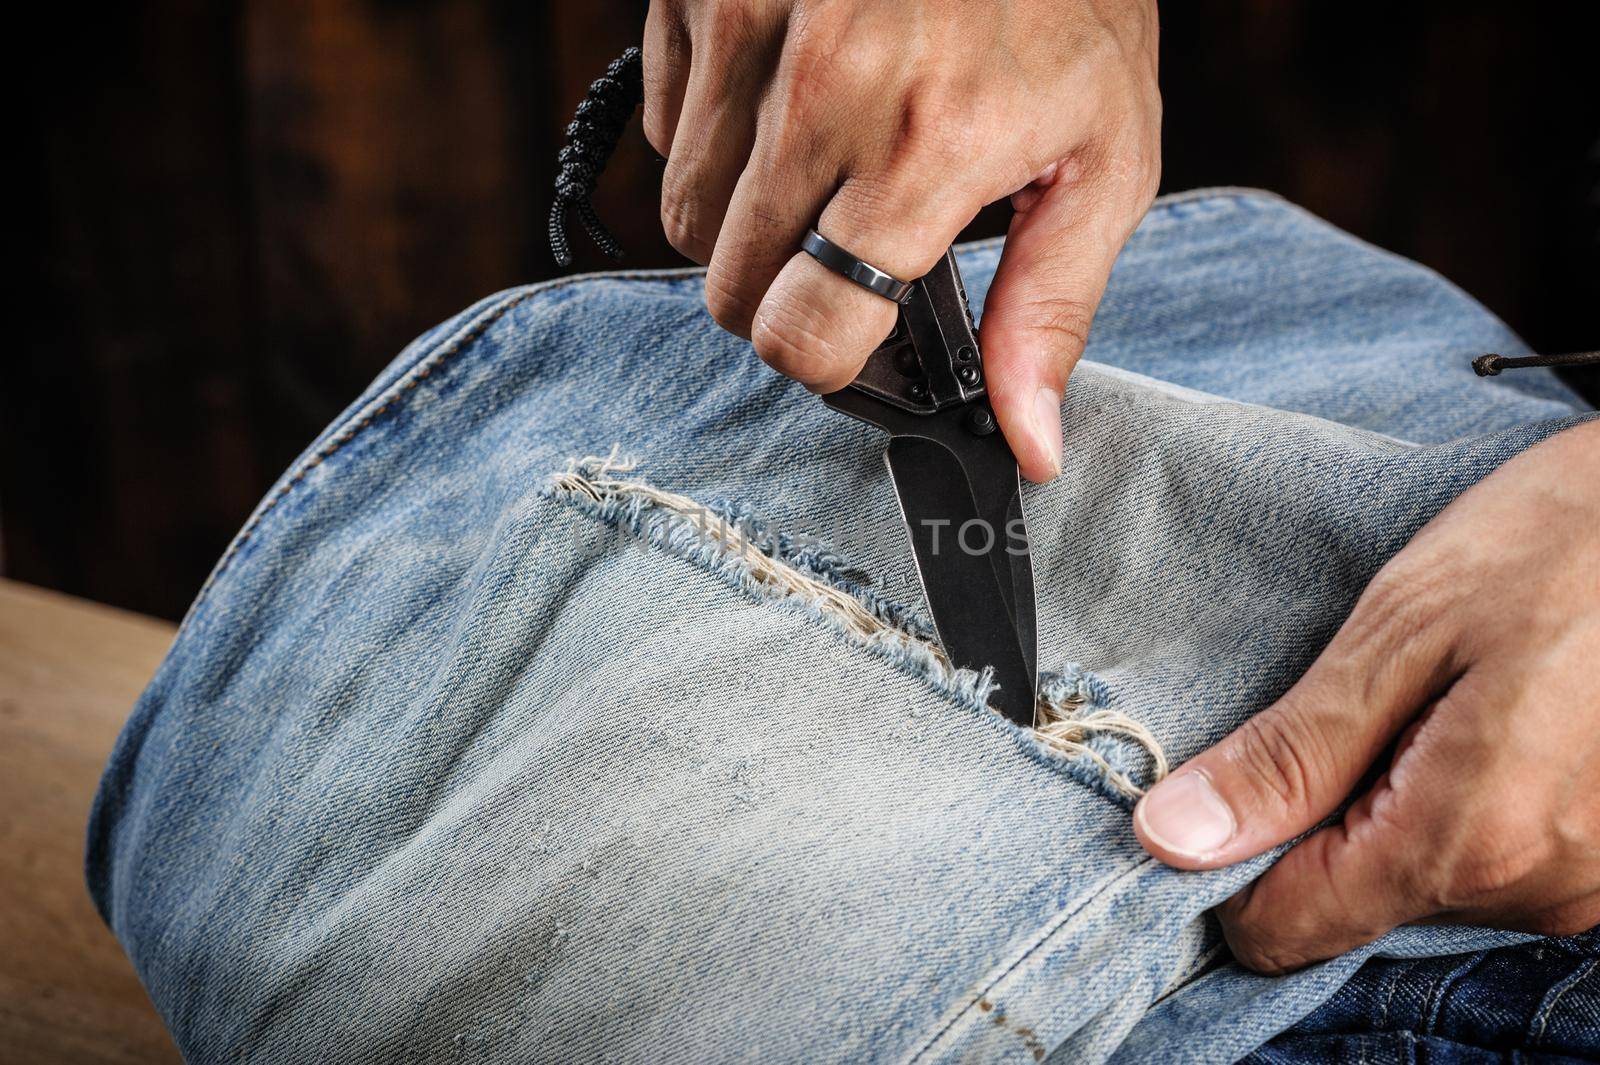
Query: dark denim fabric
[[1536, 1002]]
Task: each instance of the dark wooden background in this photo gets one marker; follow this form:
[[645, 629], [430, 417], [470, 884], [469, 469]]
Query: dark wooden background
[[234, 213]]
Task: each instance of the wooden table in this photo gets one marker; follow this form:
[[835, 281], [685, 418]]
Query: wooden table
[[69, 673]]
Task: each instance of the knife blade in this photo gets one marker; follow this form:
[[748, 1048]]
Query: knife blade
[[964, 569], [958, 486]]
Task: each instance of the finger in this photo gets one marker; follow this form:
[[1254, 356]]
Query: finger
[[835, 150], [1458, 828], [1450, 832], [734, 55], [1069, 225], [1291, 765], [666, 74], [778, 196], [819, 327], [1337, 889]]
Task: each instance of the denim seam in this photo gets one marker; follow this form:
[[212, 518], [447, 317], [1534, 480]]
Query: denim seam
[[984, 1001], [1394, 979], [1433, 1003], [430, 358], [427, 360], [1541, 1018], [1181, 978]]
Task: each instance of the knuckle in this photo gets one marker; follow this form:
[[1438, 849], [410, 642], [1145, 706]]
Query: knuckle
[[728, 33], [810, 71], [825, 73], [1272, 927], [1263, 953], [1390, 605], [1149, 183], [1266, 935], [1423, 885], [1406, 596], [1575, 826], [1502, 856], [1281, 761], [1064, 319], [1129, 170], [729, 307], [1275, 962], [824, 61], [682, 216], [934, 123], [1139, 152], [657, 126], [722, 19], [1395, 627], [792, 121], [792, 342]]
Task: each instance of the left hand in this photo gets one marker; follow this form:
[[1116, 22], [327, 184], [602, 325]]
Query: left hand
[[1478, 645]]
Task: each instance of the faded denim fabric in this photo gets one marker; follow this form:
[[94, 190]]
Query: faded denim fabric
[[447, 765]]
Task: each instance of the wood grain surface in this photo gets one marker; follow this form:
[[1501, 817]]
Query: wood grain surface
[[69, 673]]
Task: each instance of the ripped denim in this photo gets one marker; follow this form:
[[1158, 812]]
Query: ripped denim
[[444, 767]]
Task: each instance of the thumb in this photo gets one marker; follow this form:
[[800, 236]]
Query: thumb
[[1062, 242], [1290, 766]]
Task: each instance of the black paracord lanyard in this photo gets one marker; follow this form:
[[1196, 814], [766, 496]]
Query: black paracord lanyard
[[592, 136]]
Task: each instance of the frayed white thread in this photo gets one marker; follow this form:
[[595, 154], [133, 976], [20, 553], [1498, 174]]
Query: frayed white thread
[[591, 477], [1061, 727], [1060, 723]]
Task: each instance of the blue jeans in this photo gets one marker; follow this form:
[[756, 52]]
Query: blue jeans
[[471, 749], [1538, 1001]]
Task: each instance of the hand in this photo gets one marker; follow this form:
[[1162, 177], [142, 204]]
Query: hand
[[887, 124], [1479, 646]]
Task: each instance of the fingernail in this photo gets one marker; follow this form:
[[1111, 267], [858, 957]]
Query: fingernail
[[1185, 815], [1047, 422]]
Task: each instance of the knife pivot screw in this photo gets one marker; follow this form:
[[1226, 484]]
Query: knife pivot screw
[[965, 353], [980, 421], [967, 374], [919, 390]]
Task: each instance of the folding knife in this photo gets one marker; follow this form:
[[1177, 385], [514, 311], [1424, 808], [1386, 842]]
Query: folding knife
[[958, 484]]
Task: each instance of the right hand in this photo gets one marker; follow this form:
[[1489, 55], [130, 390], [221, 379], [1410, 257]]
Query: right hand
[[887, 125]]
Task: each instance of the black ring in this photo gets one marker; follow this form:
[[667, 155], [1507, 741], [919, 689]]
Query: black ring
[[862, 273]]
